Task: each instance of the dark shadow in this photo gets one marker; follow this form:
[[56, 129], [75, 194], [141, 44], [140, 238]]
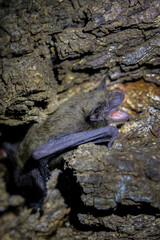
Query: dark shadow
[[72, 191]]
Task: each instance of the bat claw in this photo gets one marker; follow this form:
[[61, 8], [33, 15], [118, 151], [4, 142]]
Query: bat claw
[[111, 141], [36, 206]]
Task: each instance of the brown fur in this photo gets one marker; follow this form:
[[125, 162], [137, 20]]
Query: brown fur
[[69, 117]]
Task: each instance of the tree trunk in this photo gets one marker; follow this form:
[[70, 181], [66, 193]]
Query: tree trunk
[[49, 51]]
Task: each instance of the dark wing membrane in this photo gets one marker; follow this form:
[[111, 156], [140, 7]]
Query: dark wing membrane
[[62, 143]]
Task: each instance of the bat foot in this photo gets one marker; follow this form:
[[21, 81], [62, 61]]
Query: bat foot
[[43, 169], [37, 206]]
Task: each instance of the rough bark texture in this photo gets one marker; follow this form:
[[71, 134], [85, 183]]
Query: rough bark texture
[[46, 43], [50, 50]]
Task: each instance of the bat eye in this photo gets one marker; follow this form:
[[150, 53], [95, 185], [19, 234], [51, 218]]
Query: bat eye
[[94, 117], [96, 114]]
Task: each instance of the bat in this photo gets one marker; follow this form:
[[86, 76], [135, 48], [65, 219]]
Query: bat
[[84, 118]]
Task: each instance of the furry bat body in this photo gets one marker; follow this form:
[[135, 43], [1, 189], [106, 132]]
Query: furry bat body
[[83, 118]]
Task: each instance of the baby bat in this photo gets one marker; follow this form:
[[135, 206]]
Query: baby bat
[[83, 118]]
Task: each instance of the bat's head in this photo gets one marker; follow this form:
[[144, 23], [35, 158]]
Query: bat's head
[[108, 109]]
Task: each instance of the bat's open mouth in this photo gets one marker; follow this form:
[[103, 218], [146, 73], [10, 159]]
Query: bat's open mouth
[[118, 116]]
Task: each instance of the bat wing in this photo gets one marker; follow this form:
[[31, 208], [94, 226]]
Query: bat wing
[[65, 142]]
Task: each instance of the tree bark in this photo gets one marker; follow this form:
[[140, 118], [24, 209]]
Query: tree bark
[[49, 51]]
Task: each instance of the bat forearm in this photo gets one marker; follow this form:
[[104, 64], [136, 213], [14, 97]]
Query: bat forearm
[[64, 142]]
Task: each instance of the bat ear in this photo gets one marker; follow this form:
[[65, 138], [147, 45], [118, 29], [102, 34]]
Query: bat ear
[[102, 85]]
